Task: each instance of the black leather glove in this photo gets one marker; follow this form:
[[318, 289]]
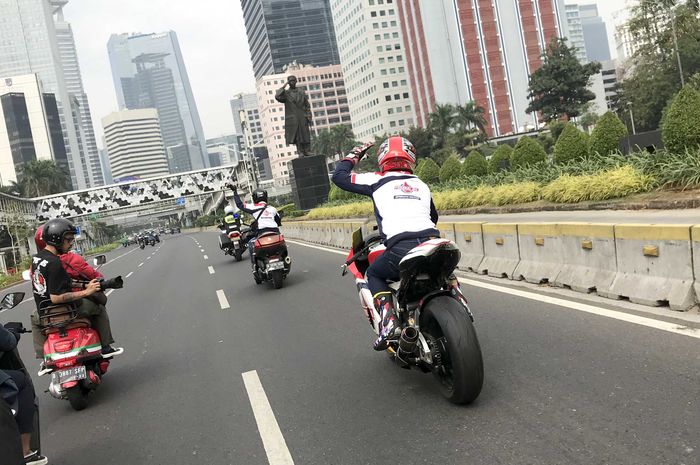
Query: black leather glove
[[358, 152], [15, 328]]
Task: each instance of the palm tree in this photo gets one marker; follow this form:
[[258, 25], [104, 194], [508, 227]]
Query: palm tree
[[323, 143], [441, 122], [41, 177], [342, 137], [471, 115]]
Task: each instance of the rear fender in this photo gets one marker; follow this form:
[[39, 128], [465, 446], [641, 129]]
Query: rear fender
[[442, 292]]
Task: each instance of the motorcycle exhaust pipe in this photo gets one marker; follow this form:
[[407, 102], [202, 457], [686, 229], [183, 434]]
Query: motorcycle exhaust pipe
[[408, 340], [287, 259], [56, 391]]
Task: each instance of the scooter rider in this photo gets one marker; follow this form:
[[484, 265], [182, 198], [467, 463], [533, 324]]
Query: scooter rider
[[265, 217], [52, 284], [232, 221], [405, 213]]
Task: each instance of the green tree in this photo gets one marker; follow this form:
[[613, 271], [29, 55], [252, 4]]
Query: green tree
[[474, 165], [339, 139], [441, 123], [451, 169], [429, 172], [555, 128], [527, 152], [41, 177], [422, 140], [681, 129], [571, 145], [441, 155], [470, 115], [607, 134], [500, 160], [653, 77], [559, 88]]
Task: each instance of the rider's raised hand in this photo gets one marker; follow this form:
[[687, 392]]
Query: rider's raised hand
[[358, 152]]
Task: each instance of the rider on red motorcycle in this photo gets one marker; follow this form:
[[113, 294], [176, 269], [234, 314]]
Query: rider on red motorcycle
[[52, 284], [266, 218], [405, 214]]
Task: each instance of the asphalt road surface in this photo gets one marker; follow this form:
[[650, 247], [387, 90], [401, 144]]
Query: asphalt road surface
[[220, 371]]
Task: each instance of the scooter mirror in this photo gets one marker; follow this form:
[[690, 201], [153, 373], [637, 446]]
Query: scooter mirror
[[99, 260], [11, 300], [26, 275]]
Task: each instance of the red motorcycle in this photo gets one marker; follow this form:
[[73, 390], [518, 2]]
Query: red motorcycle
[[73, 350], [272, 261], [437, 331]]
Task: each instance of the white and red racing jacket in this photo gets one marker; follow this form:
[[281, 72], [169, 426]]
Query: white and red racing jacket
[[403, 205], [266, 215]]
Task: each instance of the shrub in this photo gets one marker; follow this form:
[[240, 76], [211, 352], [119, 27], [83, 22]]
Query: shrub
[[556, 128], [440, 156], [607, 134], [681, 170], [571, 145], [429, 172], [336, 194], [451, 169], [500, 160], [615, 183], [527, 152], [474, 165], [351, 210], [681, 127]]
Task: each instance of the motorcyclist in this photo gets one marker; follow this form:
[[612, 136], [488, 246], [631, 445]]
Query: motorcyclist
[[405, 214], [231, 221], [52, 284], [17, 391], [265, 217]]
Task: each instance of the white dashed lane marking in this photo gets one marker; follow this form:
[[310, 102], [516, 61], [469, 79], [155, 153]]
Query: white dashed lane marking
[[223, 301], [129, 274], [211, 270]]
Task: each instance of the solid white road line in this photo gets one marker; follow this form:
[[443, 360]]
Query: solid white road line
[[129, 274], [148, 258], [206, 257], [223, 301], [273, 441], [140, 264], [617, 315], [109, 291], [211, 270]]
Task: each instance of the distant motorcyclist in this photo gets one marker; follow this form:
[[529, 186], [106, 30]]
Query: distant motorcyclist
[[265, 217], [231, 220], [405, 214]]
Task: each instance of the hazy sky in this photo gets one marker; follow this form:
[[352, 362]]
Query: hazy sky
[[213, 41]]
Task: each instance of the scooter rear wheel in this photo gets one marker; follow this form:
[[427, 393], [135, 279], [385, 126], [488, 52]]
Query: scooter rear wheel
[[77, 397]]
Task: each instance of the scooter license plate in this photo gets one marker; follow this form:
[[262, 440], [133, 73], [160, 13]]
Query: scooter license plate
[[70, 374], [275, 266]]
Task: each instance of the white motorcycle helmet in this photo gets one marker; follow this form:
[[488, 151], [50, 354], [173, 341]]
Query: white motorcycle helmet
[[229, 210]]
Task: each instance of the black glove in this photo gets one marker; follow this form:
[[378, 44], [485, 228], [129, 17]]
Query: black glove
[[15, 328], [358, 152]]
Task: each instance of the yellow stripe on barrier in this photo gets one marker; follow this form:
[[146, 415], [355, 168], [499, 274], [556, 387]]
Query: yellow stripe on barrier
[[538, 229], [500, 228], [651, 232], [601, 231], [468, 227], [695, 233]]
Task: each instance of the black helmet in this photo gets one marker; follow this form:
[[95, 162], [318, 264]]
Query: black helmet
[[259, 195], [55, 230]]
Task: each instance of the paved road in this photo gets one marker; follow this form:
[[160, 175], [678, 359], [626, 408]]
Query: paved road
[[561, 387], [684, 216]]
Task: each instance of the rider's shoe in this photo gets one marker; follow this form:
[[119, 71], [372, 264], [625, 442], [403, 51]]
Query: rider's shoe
[[34, 458], [384, 303], [109, 351]]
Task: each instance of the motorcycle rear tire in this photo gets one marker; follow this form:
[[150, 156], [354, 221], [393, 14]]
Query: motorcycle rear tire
[[238, 255], [277, 278], [77, 397], [462, 375]]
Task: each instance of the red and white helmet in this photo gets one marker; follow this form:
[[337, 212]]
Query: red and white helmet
[[396, 154]]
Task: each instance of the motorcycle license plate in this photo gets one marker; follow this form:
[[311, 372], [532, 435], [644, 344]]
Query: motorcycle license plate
[[70, 374], [275, 266]]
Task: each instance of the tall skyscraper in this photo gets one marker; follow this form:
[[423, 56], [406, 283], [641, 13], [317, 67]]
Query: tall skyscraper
[[283, 31], [134, 144], [595, 33], [29, 44], [248, 104], [325, 88], [459, 51], [149, 72], [371, 46], [92, 171], [575, 32], [30, 126]]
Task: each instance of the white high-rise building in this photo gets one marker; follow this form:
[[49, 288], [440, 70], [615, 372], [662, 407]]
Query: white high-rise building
[[92, 170], [374, 67], [248, 104], [135, 144], [625, 43], [28, 44], [575, 35]]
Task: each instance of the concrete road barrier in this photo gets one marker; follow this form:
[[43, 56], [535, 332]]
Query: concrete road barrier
[[540, 252], [447, 230], [654, 265], [470, 240], [588, 257], [501, 250], [695, 244]]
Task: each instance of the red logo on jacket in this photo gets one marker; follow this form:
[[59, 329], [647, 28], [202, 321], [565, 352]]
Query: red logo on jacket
[[406, 188]]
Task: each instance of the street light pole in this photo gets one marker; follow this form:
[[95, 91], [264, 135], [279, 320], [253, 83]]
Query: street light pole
[[675, 44], [629, 107]]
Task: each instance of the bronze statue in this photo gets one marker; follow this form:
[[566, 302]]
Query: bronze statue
[[297, 116]]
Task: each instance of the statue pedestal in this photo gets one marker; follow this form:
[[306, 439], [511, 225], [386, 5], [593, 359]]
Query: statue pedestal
[[309, 180]]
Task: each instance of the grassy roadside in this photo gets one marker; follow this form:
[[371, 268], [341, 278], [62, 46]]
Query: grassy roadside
[[103, 249]]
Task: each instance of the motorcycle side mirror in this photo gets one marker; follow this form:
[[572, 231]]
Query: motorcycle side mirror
[[11, 300], [344, 270], [99, 260], [26, 275]]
